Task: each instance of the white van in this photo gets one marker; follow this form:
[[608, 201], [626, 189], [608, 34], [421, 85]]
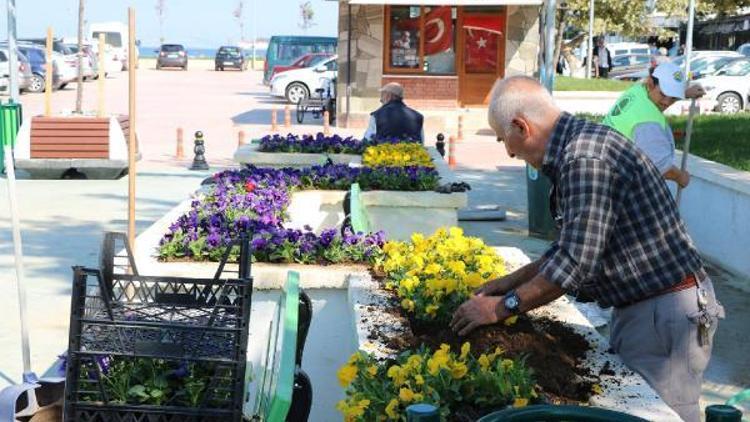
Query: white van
[[115, 36]]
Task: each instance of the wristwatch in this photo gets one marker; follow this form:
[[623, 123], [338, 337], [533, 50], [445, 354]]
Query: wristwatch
[[512, 302]]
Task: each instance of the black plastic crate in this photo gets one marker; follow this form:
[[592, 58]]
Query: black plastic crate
[[156, 349]]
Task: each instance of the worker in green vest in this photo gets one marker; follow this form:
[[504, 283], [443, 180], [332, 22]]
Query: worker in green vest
[[638, 114]]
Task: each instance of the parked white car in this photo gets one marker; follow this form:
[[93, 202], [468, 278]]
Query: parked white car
[[728, 90], [298, 84]]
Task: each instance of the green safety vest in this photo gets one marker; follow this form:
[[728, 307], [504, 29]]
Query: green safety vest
[[633, 108]]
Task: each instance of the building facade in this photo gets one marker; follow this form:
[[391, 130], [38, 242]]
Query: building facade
[[445, 55]]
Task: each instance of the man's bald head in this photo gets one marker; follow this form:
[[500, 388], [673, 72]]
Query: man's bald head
[[518, 96], [523, 114]]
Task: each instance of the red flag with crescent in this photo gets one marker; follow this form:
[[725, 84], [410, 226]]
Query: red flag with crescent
[[438, 29], [483, 33]]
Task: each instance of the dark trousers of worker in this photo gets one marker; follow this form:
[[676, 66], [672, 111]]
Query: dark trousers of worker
[[658, 338], [603, 72]]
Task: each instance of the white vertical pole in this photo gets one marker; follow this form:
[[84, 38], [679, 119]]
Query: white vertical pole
[[549, 45], [590, 53], [691, 115], [254, 11], [13, 59]]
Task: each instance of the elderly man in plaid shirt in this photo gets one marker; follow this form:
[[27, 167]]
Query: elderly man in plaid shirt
[[622, 243]]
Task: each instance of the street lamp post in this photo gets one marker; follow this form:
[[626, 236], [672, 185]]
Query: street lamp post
[[13, 59]]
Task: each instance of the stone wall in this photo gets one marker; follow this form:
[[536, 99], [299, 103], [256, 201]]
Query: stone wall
[[367, 34], [522, 42]]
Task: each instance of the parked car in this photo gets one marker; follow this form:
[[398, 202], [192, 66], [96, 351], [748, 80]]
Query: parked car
[[89, 71], [66, 60], [230, 57], [284, 49], [36, 56], [307, 60], [629, 63], [744, 49], [727, 90], [701, 62], [116, 37], [296, 85], [24, 68], [172, 55]]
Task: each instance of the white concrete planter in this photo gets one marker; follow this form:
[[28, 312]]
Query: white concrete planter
[[716, 210], [626, 392], [249, 154]]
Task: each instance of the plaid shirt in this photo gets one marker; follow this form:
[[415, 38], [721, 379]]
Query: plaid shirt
[[621, 237]]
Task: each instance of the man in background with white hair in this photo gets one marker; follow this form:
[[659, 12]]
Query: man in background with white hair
[[621, 242], [394, 119]]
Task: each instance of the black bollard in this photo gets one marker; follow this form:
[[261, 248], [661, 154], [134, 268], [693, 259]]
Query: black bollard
[[440, 144], [199, 161]]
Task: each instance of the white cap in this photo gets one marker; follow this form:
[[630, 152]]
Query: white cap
[[671, 80]]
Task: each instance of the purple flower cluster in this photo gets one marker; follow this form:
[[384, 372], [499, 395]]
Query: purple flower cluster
[[320, 144], [254, 200]]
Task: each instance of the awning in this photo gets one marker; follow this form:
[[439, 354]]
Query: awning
[[451, 2]]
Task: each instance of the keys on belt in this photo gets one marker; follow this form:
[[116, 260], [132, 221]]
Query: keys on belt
[[704, 320]]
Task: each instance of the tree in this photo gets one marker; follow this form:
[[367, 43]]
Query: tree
[[79, 83], [626, 17], [238, 11], [161, 8], [306, 15]]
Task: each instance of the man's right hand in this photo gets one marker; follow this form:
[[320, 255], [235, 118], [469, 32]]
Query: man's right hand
[[683, 179]]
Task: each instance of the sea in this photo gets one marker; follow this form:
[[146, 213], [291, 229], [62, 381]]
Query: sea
[[198, 53]]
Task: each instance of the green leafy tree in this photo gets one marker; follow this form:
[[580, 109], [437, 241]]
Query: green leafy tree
[[306, 15]]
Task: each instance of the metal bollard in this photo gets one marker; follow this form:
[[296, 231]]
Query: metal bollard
[[451, 152], [440, 144], [241, 138], [180, 153], [274, 127], [326, 124], [287, 117], [460, 135], [199, 162]]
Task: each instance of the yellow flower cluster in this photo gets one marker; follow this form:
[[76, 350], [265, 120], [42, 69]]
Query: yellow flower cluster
[[397, 155], [383, 390], [433, 276]]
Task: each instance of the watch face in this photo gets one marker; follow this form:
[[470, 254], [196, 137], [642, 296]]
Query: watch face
[[511, 302]]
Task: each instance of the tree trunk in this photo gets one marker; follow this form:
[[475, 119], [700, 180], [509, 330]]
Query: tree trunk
[[79, 85], [561, 23]]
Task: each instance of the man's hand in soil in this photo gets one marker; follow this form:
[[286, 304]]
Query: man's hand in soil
[[475, 312]]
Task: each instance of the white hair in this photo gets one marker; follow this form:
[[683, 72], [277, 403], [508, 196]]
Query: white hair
[[519, 96]]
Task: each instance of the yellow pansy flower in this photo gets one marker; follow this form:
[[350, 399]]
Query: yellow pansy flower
[[408, 304], [372, 370], [418, 379], [432, 268], [597, 389], [465, 349], [510, 320], [506, 364], [520, 402], [459, 370], [484, 362], [431, 310], [456, 231], [392, 409], [406, 395], [346, 374]]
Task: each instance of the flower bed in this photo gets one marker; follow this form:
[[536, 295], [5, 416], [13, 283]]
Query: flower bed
[[320, 144], [396, 155], [255, 201], [554, 361]]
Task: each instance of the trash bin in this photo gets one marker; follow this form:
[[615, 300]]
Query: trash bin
[[538, 187], [10, 121]]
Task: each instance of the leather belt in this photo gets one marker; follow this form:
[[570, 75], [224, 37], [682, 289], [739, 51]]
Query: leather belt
[[688, 282]]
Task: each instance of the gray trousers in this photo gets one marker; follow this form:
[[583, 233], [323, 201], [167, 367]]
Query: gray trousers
[[658, 338]]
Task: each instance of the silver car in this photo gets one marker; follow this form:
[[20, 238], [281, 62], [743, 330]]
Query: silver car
[[728, 89], [89, 64], [24, 69]]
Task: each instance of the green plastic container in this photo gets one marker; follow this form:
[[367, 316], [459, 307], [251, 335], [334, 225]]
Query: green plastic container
[[538, 187], [422, 413], [10, 122], [548, 413]]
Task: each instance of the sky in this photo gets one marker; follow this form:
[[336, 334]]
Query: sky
[[194, 23]]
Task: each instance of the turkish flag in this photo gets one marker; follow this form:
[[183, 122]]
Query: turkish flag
[[438, 29], [483, 33], [481, 51]]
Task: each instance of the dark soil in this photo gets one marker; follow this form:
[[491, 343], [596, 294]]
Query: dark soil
[[552, 350]]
